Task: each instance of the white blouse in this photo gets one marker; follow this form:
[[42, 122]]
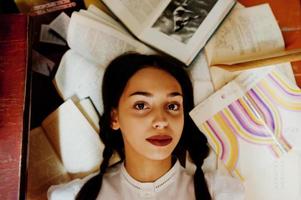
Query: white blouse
[[177, 183]]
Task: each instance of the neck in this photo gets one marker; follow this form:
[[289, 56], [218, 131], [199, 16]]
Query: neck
[[147, 170]]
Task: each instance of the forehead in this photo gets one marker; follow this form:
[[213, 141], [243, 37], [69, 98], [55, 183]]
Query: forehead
[[152, 79]]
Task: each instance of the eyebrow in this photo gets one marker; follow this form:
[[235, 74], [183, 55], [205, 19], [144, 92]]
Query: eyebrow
[[147, 94]]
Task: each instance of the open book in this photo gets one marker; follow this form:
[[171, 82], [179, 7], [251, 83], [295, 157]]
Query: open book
[[95, 39], [65, 146], [251, 124], [221, 77], [179, 28], [79, 78], [99, 38], [249, 37]]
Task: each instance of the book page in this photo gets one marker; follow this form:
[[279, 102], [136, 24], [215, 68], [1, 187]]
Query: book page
[[49, 37], [276, 181], [200, 78], [283, 104], [135, 14], [288, 16], [60, 24], [102, 16], [221, 77], [88, 110], [44, 166], [74, 139], [265, 60], [252, 125], [283, 97], [183, 27], [98, 15], [247, 34], [98, 42], [76, 76], [99, 4]]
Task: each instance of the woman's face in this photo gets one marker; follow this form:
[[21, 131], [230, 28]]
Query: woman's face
[[150, 114]]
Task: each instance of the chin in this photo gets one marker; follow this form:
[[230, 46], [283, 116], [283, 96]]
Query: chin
[[160, 154]]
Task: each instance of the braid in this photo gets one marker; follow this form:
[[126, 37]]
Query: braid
[[107, 154], [91, 188], [200, 186], [198, 151]]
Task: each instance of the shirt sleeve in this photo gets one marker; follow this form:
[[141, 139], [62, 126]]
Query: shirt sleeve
[[223, 187]]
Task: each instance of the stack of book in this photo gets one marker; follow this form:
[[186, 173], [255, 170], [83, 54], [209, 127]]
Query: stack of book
[[247, 101]]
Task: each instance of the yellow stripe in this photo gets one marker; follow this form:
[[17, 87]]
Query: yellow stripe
[[216, 144], [285, 84], [250, 113], [239, 175], [232, 141], [246, 135], [280, 98], [275, 113], [278, 132]]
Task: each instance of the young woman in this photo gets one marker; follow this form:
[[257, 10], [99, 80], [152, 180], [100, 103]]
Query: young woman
[[146, 103]]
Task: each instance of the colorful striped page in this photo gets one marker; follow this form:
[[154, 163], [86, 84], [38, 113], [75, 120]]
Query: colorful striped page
[[254, 117]]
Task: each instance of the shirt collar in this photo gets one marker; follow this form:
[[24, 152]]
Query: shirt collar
[[156, 186]]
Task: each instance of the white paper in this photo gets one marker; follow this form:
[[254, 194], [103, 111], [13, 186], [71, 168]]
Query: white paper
[[77, 76], [60, 24], [253, 124], [201, 79], [74, 139], [48, 37]]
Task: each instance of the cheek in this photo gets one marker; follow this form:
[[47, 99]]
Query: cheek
[[177, 125], [134, 132], [134, 126]]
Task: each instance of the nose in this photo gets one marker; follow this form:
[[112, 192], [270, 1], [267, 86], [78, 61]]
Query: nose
[[159, 121]]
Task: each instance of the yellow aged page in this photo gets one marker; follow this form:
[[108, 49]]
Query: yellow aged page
[[221, 77], [87, 108], [44, 168], [247, 34], [74, 139]]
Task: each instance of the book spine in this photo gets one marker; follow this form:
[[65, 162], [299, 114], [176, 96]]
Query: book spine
[[13, 74]]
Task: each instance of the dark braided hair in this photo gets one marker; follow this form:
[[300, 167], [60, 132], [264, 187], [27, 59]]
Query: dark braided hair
[[116, 76]]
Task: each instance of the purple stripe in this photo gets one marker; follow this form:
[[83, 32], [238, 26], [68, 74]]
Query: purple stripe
[[235, 131], [245, 112], [246, 118], [282, 88], [217, 136], [264, 109], [244, 125]]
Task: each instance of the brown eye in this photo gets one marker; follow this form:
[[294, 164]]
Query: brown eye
[[140, 106], [173, 107]]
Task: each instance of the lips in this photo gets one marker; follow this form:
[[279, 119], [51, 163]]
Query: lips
[[159, 140]]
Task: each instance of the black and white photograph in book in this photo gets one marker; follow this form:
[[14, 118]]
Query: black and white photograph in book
[[181, 18]]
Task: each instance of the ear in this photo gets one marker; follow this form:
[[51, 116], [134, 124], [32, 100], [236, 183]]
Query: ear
[[114, 119]]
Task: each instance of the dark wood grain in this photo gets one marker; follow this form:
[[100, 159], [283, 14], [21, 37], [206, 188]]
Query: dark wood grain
[[13, 68]]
